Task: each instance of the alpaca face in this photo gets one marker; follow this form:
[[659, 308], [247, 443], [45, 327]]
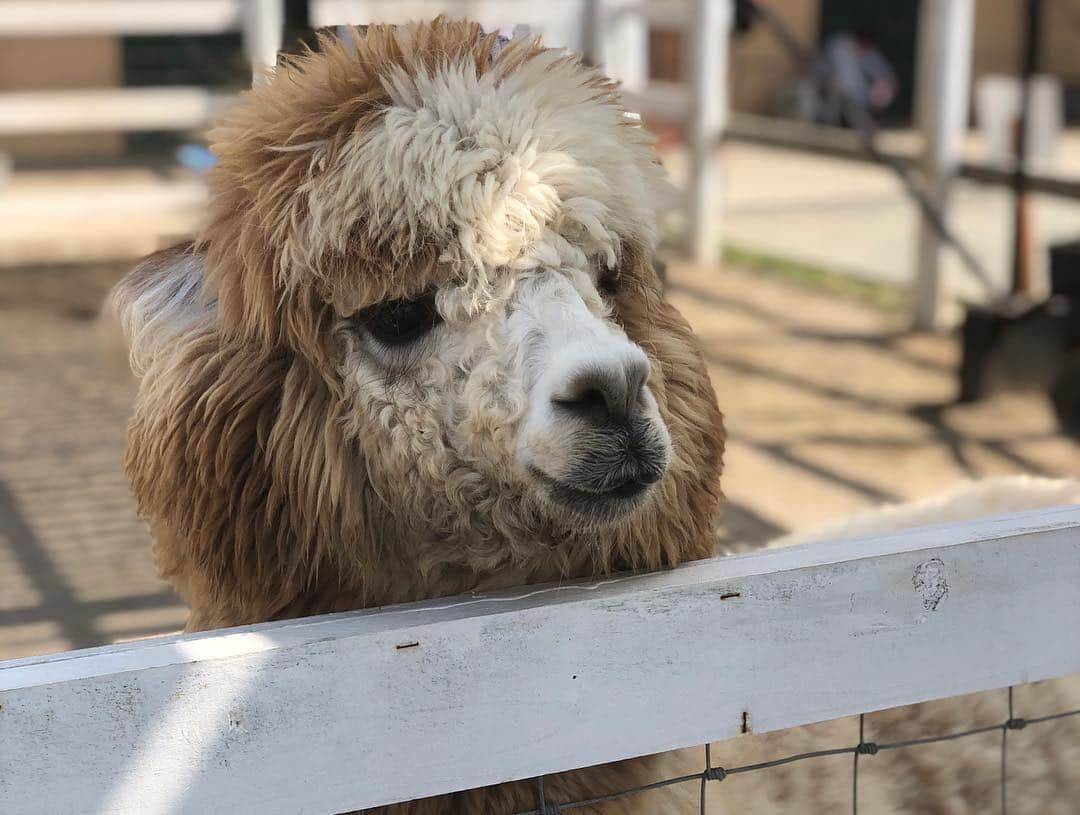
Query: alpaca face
[[540, 396], [462, 236]]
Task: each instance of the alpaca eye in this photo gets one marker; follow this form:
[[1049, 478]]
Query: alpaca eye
[[398, 322]]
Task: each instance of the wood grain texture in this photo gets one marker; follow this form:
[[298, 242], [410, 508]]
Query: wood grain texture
[[345, 711]]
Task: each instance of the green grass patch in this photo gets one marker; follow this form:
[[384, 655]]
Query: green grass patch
[[818, 278]]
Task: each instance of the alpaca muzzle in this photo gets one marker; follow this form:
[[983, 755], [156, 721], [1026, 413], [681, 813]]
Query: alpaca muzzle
[[611, 468], [592, 440], [614, 446]]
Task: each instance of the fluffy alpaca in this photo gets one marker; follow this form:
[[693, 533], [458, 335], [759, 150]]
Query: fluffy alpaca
[[418, 349]]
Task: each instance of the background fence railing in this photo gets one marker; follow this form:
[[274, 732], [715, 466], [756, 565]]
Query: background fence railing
[[353, 710], [128, 109]]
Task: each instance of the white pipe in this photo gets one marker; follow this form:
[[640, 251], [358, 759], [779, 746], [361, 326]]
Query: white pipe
[[946, 32], [710, 33]]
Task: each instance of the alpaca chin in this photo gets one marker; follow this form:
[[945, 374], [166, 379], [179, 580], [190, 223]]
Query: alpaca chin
[[611, 471], [594, 508]]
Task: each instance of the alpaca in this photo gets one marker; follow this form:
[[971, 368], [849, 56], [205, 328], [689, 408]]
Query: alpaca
[[419, 349]]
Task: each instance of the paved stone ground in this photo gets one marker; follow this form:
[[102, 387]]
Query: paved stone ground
[[829, 405], [75, 563], [832, 407]]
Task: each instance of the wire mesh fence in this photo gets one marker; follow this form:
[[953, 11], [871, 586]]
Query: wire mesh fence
[[862, 749]]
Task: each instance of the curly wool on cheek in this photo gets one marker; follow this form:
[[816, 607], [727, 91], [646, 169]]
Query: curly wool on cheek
[[445, 429]]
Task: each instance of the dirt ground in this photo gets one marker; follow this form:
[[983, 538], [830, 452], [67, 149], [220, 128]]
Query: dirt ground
[[830, 407]]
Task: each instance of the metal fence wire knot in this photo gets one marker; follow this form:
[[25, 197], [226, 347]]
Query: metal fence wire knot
[[714, 774], [867, 748]]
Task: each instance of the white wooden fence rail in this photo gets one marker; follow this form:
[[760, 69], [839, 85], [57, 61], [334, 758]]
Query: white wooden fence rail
[[352, 710], [25, 113], [131, 109], [56, 18]]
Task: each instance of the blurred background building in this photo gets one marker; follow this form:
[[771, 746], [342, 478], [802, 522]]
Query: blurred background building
[[833, 400]]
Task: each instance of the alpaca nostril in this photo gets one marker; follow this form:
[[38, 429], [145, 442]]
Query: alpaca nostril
[[590, 404], [605, 395], [587, 400]]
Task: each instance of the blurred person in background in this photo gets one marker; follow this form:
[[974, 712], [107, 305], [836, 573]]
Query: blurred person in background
[[852, 69]]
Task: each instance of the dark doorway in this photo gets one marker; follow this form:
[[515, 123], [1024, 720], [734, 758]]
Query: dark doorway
[[895, 24]]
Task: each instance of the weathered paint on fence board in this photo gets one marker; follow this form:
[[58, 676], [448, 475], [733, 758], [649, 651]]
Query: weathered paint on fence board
[[352, 710]]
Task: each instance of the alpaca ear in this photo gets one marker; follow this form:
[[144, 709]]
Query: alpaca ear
[[158, 300]]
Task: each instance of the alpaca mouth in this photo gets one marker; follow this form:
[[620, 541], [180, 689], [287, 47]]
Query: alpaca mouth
[[598, 505]]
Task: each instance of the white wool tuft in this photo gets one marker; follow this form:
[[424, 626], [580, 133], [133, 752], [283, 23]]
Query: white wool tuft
[[156, 307], [504, 170]]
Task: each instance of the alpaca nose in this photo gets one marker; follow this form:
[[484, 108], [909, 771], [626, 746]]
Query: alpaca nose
[[603, 394]]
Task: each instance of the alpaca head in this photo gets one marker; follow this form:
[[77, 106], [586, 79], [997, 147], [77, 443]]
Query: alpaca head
[[442, 254]]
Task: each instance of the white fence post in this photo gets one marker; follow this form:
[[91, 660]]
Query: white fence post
[[592, 23], [264, 23], [709, 31], [946, 30], [621, 41]]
